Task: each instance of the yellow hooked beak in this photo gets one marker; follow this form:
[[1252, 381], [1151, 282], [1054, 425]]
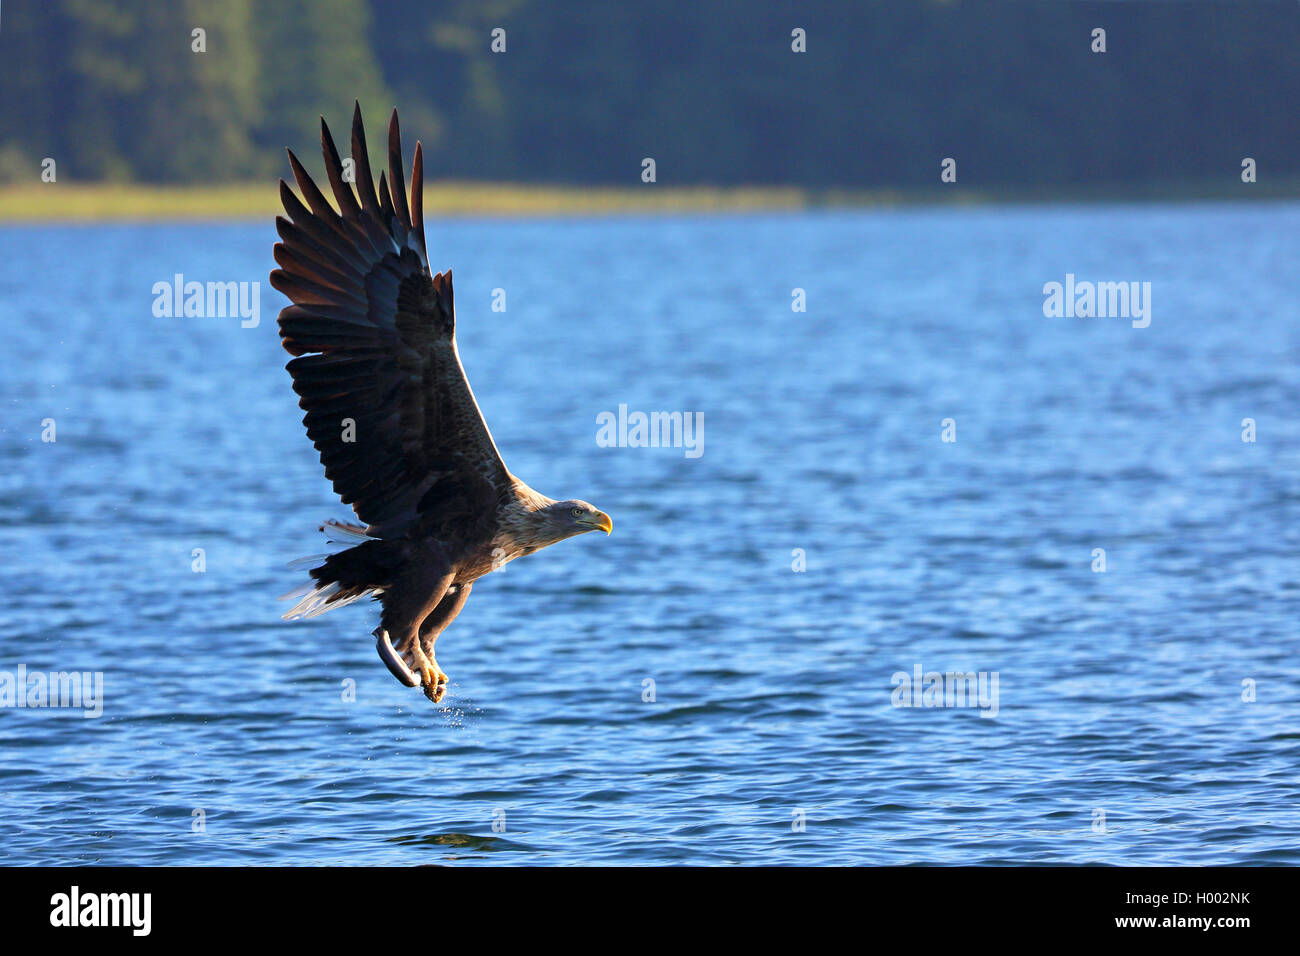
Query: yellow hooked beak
[[599, 522]]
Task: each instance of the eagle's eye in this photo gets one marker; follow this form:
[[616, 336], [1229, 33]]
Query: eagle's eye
[[577, 512]]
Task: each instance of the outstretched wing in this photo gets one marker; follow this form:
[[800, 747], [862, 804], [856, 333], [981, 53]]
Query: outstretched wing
[[387, 402]]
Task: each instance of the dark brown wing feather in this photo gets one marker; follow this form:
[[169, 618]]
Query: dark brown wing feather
[[374, 336]]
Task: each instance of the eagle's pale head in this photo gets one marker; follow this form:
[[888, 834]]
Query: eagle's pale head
[[564, 519]]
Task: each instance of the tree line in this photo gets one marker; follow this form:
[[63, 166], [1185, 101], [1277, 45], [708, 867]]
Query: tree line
[[822, 94]]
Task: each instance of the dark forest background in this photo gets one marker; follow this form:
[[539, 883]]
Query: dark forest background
[[711, 90]]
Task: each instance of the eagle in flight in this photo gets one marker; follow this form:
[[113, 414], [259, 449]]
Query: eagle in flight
[[392, 414]]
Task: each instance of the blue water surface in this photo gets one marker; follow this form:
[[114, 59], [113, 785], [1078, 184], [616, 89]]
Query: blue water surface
[[679, 692]]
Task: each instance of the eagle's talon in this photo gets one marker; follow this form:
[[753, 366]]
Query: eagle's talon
[[435, 690], [434, 681]]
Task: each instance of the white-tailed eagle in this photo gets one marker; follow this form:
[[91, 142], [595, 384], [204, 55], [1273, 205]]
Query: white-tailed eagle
[[392, 415]]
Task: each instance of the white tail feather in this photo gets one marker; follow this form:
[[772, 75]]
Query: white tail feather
[[316, 599], [311, 602], [337, 602]]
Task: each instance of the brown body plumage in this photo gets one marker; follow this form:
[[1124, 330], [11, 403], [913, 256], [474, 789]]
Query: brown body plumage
[[392, 414]]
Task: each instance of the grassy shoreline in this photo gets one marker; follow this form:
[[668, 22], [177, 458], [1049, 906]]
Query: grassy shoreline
[[107, 202], [96, 202]]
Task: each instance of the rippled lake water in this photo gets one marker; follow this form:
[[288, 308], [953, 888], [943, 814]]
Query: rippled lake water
[[1146, 714]]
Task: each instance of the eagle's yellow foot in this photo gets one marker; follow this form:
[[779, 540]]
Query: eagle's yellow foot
[[408, 662], [434, 681]]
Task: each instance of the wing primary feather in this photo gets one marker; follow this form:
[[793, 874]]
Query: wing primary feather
[[315, 199], [365, 181], [343, 194], [396, 179], [312, 226], [417, 198]]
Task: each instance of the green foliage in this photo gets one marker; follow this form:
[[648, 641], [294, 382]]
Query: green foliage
[[318, 61], [113, 90]]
